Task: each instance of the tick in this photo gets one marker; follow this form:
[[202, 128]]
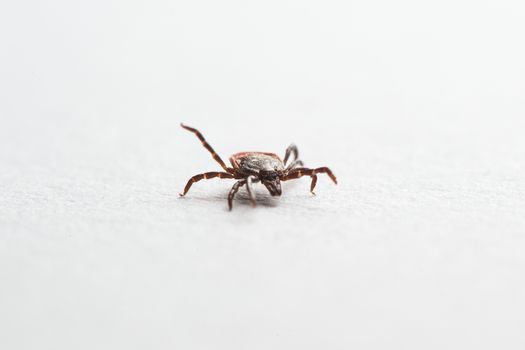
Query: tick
[[253, 167]]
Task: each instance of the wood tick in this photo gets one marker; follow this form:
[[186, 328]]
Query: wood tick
[[253, 167]]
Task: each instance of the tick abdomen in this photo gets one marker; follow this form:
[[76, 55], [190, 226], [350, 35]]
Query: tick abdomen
[[253, 162]]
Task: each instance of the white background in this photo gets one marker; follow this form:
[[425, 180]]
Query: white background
[[417, 106]]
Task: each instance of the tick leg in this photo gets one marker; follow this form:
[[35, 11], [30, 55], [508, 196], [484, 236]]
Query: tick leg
[[233, 191], [208, 147], [209, 175], [312, 185], [291, 149], [296, 163], [300, 172], [249, 181]]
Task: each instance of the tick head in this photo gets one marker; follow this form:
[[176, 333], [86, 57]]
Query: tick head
[[271, 180]]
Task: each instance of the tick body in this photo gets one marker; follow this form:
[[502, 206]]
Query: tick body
[[253, 162], [253, 167]]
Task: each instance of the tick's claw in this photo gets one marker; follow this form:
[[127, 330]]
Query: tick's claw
[[313, 193], [181, 195]]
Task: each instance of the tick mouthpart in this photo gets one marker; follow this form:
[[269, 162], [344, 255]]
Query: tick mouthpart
[[274, 187]]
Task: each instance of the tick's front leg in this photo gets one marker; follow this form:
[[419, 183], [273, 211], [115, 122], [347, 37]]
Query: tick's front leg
[[291, 149], [296, 163], [233, 191], [249, 181]]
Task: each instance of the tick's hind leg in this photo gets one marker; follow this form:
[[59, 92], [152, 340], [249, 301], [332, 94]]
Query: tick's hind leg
[[209, 175], [300, 172], [208, 147], [233, 191], [291, 149]]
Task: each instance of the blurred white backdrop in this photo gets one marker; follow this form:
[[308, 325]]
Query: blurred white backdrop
[[418, 107]]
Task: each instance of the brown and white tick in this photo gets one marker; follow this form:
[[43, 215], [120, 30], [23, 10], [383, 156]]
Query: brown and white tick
[[252, 167]]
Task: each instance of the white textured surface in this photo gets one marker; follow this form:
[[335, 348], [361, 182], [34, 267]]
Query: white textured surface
[[419, 110]]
